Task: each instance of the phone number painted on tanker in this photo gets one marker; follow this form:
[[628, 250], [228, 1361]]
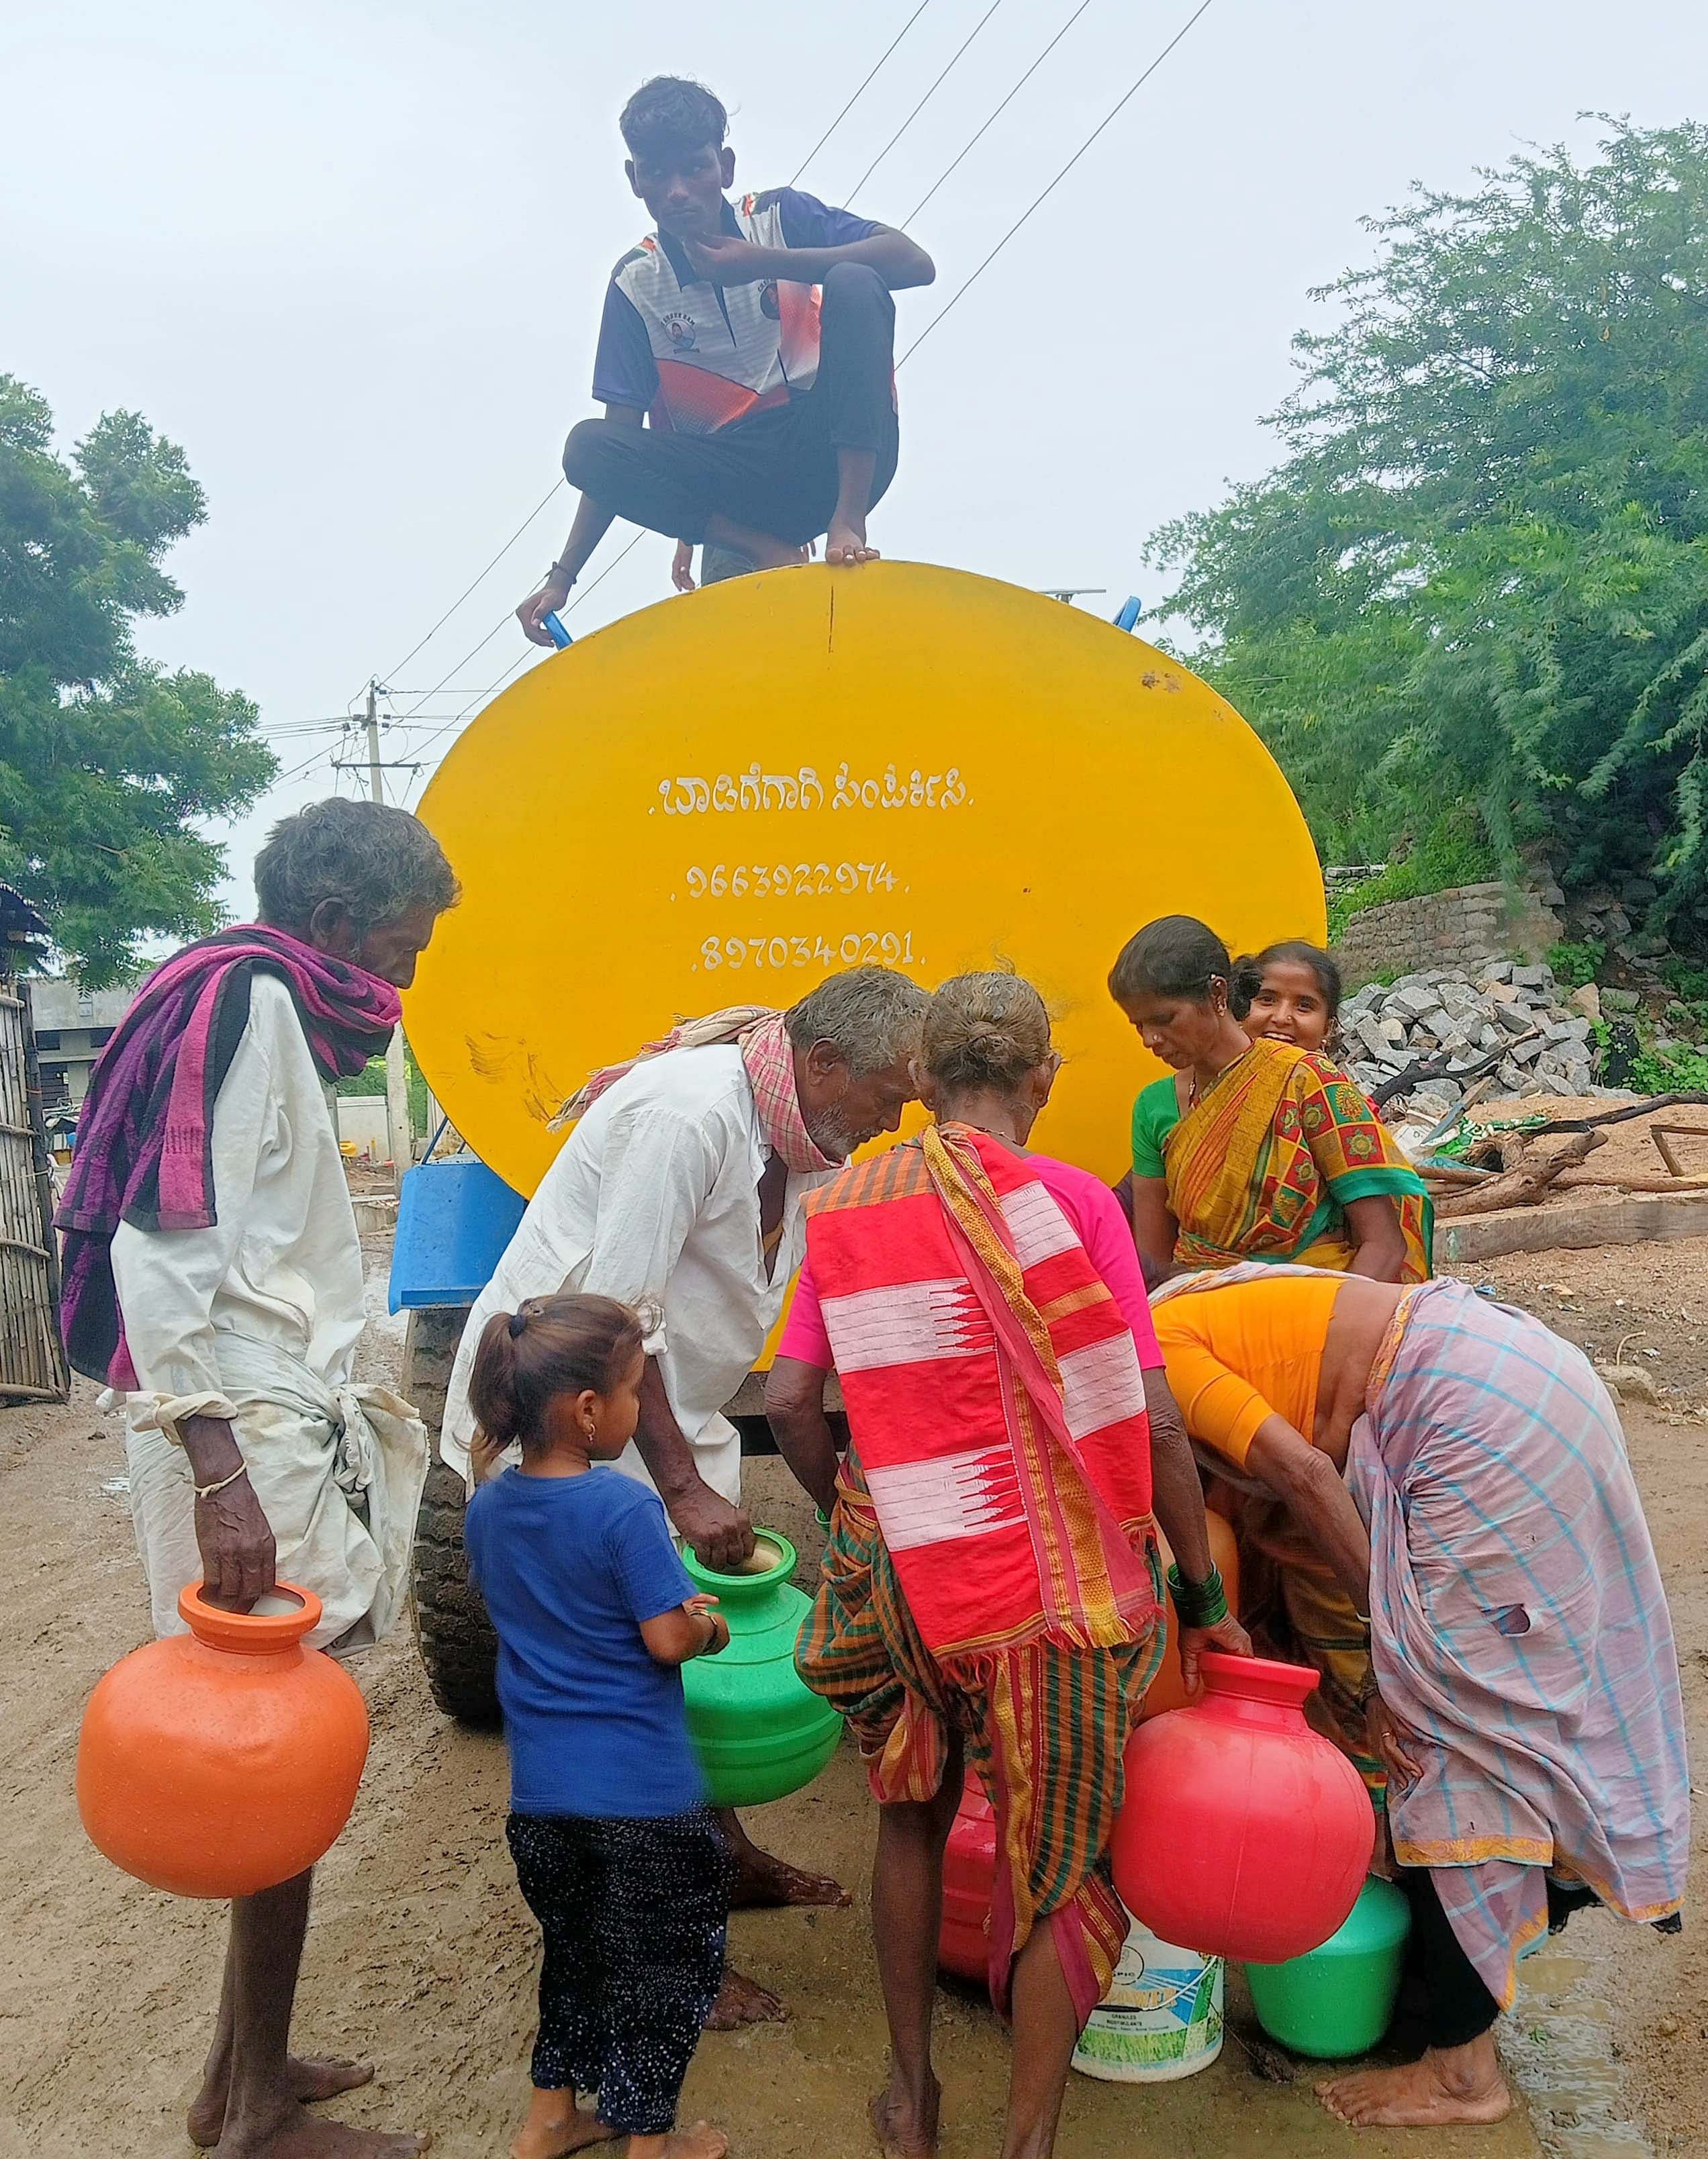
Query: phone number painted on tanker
[[778, 881], [857, 948], [692, 796]]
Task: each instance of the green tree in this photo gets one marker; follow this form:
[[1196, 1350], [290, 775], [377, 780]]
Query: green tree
[[109, 763], [1469, 610]]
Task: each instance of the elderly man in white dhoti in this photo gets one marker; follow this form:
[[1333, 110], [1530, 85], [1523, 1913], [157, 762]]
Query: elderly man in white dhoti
[[679, 1191], [213, 1280]]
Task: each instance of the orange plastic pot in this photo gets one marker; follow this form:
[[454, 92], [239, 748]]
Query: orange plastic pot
[[1168, 1690], [225, 1761]]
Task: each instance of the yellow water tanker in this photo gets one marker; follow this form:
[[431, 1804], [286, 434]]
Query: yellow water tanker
[[720, 799]]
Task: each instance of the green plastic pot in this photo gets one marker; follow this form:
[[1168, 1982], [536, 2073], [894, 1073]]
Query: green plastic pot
[[759, 1730], [1338, 1999]]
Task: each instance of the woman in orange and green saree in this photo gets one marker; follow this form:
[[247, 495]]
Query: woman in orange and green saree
[[1259, 1150], [1253, 1150]]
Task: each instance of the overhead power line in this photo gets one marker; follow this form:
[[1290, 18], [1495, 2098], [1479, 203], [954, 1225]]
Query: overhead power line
[[1044, 194], [954, 60], [571, 606], [478, 578], [319, 756], [508, 615], [288, 729], [469, 654], [427, 638], [996, 114], [859, 93], [481, 697], [480, 700]]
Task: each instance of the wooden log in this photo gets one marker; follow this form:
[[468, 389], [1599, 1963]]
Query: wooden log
[[1665, 1134], [1632, 1181], [1647, 1106], [1581, 1225], [1528, 1175]]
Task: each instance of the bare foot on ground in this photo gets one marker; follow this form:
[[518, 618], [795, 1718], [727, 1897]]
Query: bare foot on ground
[[1449, 2085], [845, 543], [556, 2126], [311, 2078], [295, 2135], [763, 1881], [904, 2130], [701, 2141], [742, 2001]]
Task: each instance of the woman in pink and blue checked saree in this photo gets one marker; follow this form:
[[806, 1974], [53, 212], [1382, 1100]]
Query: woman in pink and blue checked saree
[[1463, 1472]]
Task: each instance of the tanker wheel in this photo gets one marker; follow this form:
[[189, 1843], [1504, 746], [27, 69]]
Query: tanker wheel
[[453, 1632]]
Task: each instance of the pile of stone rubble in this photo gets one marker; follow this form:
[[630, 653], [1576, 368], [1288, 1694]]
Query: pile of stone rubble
[[1448, 1015]]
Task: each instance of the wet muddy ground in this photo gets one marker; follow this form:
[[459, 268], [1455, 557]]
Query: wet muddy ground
[[421, 1954]]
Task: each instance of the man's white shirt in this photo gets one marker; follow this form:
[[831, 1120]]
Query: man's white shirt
[[653, 1200]]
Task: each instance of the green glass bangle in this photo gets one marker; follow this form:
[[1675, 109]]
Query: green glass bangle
[[1199, 1603]]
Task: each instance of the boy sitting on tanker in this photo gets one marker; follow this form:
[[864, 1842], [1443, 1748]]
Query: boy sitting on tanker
[[758, 336]]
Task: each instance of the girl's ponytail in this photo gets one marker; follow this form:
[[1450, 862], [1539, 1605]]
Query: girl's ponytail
[[492, 1383], [550, 1345]]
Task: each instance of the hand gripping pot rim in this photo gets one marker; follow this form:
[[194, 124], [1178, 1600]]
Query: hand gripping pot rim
[[759, 1730]]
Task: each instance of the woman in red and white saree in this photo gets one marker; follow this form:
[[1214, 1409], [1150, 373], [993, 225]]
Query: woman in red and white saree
[[992, 1589]]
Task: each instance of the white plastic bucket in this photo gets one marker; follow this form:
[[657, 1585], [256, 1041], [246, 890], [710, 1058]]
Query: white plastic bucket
[[1161, 2019]]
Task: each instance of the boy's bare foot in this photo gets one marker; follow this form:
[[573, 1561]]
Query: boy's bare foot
[[294, 2135], [763, 1881], [310, 2078], [1449, 2085], [557, 2125], [845, 543], [701, 2141], [742, 2001], [763, 550], [765, 553], [905, 2128]]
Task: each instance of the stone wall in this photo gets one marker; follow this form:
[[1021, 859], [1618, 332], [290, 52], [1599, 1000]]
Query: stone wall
[[1456, 928]]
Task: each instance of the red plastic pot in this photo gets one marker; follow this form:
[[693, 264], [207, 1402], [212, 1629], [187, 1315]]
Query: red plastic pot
[[969, 1875], [224, 1761], [1243, 1834]]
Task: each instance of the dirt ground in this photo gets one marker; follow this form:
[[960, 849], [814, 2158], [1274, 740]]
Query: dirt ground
[[1627, 1148], [1643, 1996], [421, 1955]]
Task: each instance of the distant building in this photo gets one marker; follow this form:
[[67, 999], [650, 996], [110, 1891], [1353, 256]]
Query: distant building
[[32, 1363], [72, 1026]]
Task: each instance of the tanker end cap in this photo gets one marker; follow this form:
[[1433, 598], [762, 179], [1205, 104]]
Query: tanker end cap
[[810, 772]]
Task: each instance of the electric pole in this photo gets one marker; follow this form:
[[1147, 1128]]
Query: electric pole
[[400, 1134], [376, 791]]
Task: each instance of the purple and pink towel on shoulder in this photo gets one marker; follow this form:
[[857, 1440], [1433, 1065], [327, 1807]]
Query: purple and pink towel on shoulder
[[144, 1142]]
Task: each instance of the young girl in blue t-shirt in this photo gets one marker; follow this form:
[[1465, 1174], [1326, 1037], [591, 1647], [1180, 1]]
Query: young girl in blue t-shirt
[[616, 1854]]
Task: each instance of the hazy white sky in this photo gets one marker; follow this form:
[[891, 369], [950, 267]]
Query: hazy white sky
[[351, 256]]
